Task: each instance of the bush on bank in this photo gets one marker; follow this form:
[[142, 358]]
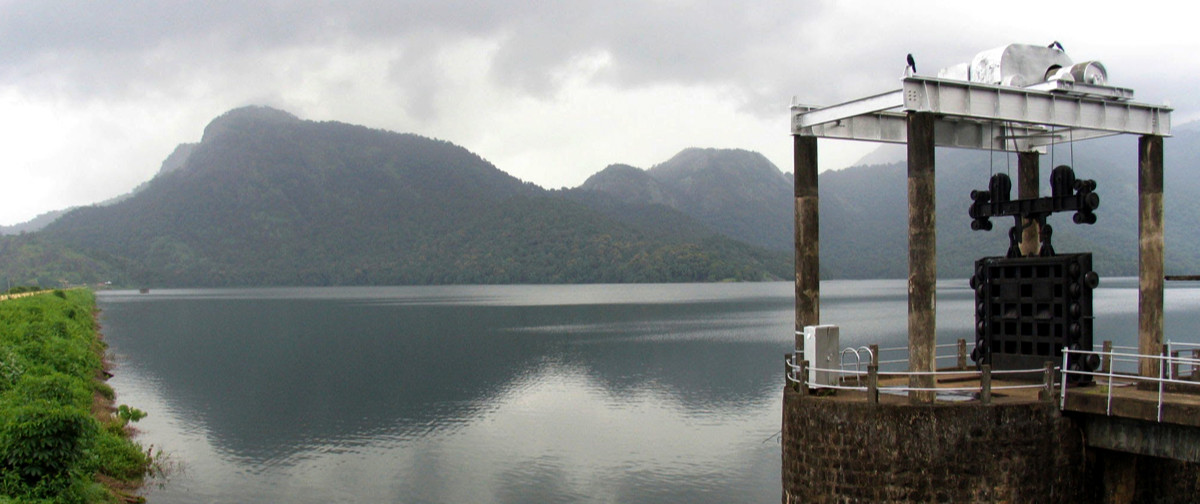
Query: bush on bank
[[60, 438]]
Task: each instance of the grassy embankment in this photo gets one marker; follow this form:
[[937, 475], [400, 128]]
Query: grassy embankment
[[61, 439]]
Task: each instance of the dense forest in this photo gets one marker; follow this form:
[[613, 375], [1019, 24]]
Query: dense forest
[[268, 199]]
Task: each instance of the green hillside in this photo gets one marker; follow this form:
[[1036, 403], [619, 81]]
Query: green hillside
[[268, 199]]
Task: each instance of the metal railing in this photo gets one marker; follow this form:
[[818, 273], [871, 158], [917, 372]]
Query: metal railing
[[960, 355], [1167, 372], [851, 376], [797, 372], [1176, 349]]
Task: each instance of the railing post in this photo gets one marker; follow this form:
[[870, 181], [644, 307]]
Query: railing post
[[985, 384], [1161, 370], [803, 377], [1196, 365], [787, 371], [1062, 387], [1174, 365], [1047, 393], [874, 355], [873, 383], [1106, 362], [962, 353]]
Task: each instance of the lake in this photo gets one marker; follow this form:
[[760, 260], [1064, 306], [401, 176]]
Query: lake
[[496, 394]]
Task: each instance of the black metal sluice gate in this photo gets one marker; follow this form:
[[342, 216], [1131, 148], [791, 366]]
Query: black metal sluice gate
[[1029, 308]]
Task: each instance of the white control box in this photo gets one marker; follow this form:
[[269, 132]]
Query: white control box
[[821, 352]]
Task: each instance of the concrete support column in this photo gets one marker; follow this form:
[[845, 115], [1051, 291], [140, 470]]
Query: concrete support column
[[1150, 251], [1119, 476], [1027, 188], [807, 235], [922, 253]]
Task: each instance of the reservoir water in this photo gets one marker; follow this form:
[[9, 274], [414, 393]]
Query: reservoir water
[[496, 394]]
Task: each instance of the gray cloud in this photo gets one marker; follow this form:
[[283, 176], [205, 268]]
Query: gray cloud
[[112, 48], [768, 49], [501, 76]]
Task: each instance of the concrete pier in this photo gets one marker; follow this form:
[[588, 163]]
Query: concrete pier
[[807, 234], [1150, 251], [837, 451], [922, 252]]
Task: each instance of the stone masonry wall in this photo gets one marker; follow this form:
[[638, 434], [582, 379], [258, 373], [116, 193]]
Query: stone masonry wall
[[849, 451]]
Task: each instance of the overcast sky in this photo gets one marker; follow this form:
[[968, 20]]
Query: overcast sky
[[95, 94]]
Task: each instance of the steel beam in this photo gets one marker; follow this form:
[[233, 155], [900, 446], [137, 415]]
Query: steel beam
[[967, 113], [963, 133], [1031, 106], [882, 101]]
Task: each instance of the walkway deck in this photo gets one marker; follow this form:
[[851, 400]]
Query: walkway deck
[[1180, 406]]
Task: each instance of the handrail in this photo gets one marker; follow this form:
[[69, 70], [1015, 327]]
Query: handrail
[[904, 349], [1164, 377], [795, 375]]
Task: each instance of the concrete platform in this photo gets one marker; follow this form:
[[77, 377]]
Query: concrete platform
[[1128, 400]]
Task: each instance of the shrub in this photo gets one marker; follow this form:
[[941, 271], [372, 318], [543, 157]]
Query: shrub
[[11, 369], [40, 444], [53, 388], [51, 447], [115, 456]]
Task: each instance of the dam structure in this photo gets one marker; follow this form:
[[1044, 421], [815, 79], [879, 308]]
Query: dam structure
[[1044, 412]]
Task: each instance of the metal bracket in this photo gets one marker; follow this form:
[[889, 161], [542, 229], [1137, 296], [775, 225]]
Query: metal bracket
[[1068, 194]]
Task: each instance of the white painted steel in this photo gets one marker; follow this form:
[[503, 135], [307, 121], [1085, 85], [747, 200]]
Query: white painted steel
[[983, 116], [964, 133], [1165, 361], [1030, 106], [793, 376], [853, 108]]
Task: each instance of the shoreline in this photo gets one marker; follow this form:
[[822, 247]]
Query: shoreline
[[65, 437]]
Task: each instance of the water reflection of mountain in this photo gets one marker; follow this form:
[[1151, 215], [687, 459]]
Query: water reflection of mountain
[[269, 377]]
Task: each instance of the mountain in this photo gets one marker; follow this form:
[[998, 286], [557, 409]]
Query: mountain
[[33, 224], [174, 161], [737, 193], [864, 209], [268, 199]]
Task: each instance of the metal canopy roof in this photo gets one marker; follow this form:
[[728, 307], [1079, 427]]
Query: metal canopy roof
[[972, 115]]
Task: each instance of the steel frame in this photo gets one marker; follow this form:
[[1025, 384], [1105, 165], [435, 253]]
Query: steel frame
[[981, 116]]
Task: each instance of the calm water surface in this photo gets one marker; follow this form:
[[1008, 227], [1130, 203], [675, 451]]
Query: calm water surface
[[530, 394]]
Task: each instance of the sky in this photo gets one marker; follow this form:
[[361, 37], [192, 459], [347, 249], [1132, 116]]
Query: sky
[[95, 94]]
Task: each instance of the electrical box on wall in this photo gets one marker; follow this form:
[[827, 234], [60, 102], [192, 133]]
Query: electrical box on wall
[[821, 352]]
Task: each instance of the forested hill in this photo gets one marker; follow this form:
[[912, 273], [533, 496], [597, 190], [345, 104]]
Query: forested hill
[[736, 192], [864, 209], [268, 199]]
